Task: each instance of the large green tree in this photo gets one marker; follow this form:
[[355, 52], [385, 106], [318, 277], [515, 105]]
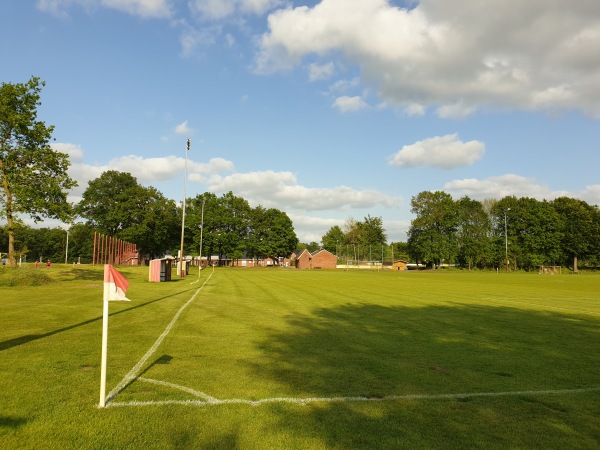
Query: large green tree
[[272, 233], [334, 240], [364, 236], [116, 204], [33, 177], [581, 229], [533, 232], [225, 228], [473, 233], [431, 237]]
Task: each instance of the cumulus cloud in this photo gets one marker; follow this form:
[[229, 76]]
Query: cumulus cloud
[[281, 190], [141, 8], [146, 170], [268, 188], [183, 128], [446, 152], [590, 194], [349, 104], [519, 186], [192, 38], [320, 71], [311, 228], [453, 56], [74, 151], [501, 186]]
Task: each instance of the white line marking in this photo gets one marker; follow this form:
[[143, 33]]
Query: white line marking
[[136, 369], [194, 392], [210, 401]]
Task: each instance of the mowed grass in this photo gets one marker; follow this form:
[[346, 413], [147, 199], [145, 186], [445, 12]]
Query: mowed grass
[[396, 360]]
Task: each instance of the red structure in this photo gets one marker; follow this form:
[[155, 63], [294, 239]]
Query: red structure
[[321, 259], [110, 250]]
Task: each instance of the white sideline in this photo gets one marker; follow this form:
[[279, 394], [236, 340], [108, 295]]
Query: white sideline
[[132, 375], [210, 401]]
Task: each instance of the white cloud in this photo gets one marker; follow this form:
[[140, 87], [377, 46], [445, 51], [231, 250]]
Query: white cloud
[[345, 85], [499, 187], [74, 151], [590, 194], [310, 228], [457, 110], [320, 71], [519, 186], [212, 9], [349, 104], [281, 190], [446, 152], [146, 170], [191, 38], [415, 109], [183, 128], [143, 8], [268, 188], [453, 56]]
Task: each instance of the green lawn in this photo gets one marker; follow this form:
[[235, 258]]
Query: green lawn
[[275, 358]]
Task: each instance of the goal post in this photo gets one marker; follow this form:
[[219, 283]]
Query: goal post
[[550, 270]]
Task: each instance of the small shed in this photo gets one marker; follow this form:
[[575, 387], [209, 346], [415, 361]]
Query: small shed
[[160, 270], [400, 264]]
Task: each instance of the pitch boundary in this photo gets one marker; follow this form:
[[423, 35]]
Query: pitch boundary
[[207, 400], [204, 399]]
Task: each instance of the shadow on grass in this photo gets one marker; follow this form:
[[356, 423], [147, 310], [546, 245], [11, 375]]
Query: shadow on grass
[[12, 422], [34, 337], [374, 351], [163, 359]]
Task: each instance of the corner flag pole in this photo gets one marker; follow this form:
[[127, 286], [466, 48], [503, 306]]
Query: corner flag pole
[[104, 343], [115, 286]]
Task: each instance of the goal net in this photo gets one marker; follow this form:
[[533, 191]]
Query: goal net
[[550, 270]]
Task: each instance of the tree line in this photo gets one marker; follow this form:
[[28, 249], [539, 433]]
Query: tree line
[[117, 205], [516, 233], [520, 233]]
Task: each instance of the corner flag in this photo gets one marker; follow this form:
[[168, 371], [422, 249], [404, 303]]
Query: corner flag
[[115, 284]]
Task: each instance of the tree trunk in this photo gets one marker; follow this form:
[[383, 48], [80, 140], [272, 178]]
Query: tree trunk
[[11, 241], [10, 225], [575, 270]]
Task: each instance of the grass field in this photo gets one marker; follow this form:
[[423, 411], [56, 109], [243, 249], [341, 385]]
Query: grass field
[[288, 359]]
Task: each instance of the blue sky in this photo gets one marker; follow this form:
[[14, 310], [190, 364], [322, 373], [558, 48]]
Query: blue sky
[[327, 110]]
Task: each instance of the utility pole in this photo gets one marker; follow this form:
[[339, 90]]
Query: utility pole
[[181, 272], [506, 240]]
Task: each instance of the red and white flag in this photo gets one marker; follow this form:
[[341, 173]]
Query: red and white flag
[[115, 284]]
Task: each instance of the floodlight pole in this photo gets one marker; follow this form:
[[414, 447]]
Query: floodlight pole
[[181, 274], [506, 240], [201, 231]]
